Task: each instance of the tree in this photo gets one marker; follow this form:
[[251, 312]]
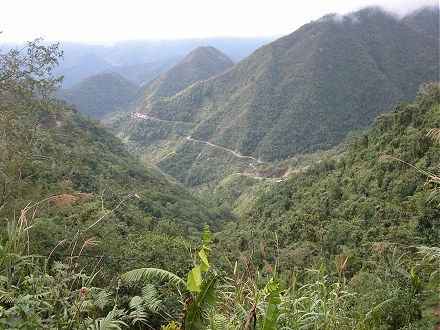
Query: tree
[[26, 84]]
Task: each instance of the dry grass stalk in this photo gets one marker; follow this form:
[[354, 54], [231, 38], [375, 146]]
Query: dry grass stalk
[[434, 133]]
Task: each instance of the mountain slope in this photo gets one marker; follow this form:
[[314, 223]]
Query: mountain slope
[[201, 64], [307, 90], [103, 94], [144, 72], [376, 191], [425, 20], [85, 185], [100, 94]]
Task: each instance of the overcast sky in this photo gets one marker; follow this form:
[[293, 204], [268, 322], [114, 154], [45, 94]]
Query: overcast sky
[[105, 21]]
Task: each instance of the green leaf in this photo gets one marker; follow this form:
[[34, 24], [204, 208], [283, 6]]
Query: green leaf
[[193, 320], [273, 287], [207, 298], [204, 258], [194, 279], [208, 295], [108, 322], [207, 237]]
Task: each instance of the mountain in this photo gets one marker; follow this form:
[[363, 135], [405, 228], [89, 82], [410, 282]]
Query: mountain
[[425, 20], [144, 72], [100, 94], [79, 67], [356, 231], [78, 183], [301, 93], [201, 64], [307, 90], [358, 213]]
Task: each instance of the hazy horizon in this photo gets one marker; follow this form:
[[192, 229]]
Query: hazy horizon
[[106, 22]]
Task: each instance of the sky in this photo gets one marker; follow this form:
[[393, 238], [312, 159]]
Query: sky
[[106, 21]]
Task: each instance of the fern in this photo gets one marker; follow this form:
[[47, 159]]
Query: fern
[[136, 275], [434, 133], [138, 313], [221, 322], [150, 300], [6, 297], [108, 322], [98, 299]]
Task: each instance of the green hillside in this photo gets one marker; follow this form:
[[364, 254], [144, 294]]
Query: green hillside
[[304, 92], [380, 187], [100, 95], [104, 94], [425, 20], [201, 64]]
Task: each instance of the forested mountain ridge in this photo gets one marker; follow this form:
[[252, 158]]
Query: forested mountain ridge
[[266, 106], [100, 95], [425, 20], [361, 214], [379, 188], [201, 64]]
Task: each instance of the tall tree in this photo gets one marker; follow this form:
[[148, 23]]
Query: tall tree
[[26, 83]]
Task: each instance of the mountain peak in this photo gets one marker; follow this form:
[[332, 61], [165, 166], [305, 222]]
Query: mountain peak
[[203, 52], [200, 64]]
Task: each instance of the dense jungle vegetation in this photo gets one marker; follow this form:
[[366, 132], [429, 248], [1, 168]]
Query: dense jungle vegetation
[[92, 238]]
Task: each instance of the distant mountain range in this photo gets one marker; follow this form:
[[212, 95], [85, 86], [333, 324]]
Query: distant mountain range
[[143, 60]]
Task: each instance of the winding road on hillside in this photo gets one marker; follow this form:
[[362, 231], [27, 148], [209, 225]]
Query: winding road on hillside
[[226, 149], [142, 116]]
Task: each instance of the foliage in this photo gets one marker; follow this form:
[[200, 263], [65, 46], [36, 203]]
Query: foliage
[[88, 184], [359, 206], [47, 295], [201, 289]]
